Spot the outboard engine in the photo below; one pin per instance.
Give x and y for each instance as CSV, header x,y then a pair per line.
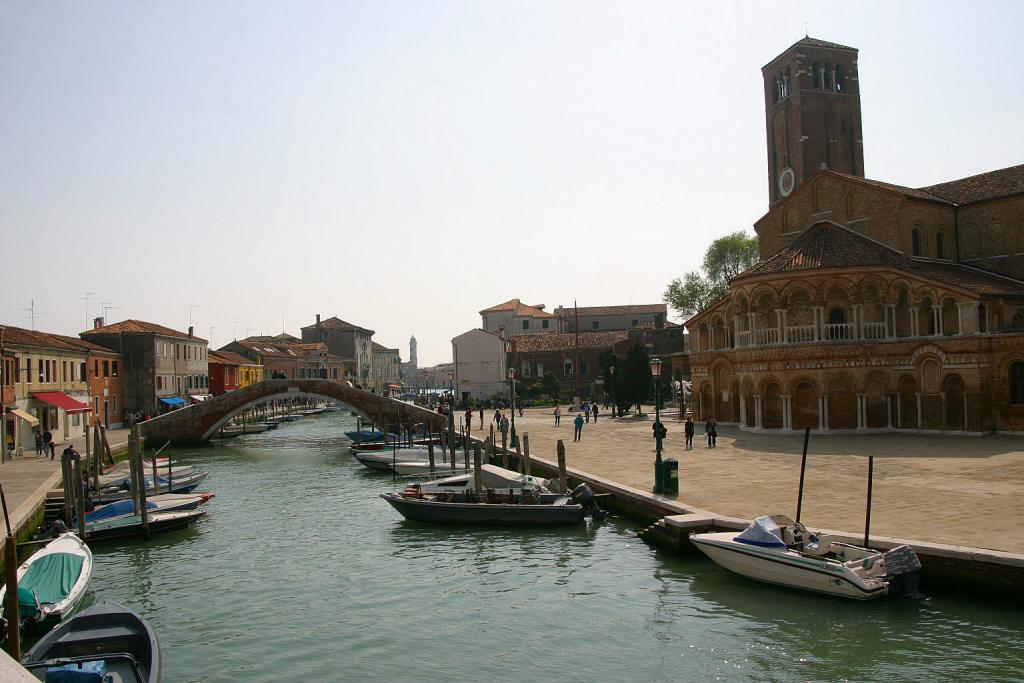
x,y
55,529
582,495
903,570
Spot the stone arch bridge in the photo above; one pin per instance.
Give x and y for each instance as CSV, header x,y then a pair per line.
x,y
197,423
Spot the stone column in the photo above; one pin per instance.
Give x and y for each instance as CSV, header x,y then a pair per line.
x,y
858,321
888,411
920,412
736,329
890,328
780,316
937,320
750,326
758,412
711,338
785,326
913,321
959,318
743,411
965,411
899,412
824,412
819,322
942,410
787,412
860,411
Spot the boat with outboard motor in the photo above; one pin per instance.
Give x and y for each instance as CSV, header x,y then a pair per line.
x,y
52,583
522,505
175,484
131,525
775,549
105,642
165,502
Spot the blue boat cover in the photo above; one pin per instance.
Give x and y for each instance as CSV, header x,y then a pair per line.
x,y
121,507
365,435
173,401
83,672
763,532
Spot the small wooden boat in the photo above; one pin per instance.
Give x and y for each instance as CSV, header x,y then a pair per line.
x,y
778,550
364,435
52,583
176,484
515,508
111,642
312,411
228,431
131,525
165,502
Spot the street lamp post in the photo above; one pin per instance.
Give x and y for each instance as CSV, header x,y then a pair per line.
x,y
512,384
659,483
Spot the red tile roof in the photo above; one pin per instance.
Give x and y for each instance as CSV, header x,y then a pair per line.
x,y
978,188
827,245
140,327
567,312
21,336
336,323
227,358
519,308
922,193
528,343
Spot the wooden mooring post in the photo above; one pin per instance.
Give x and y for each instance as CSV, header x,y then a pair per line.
x,y
478,479
13,645
79,486
562,485
526,453
504,450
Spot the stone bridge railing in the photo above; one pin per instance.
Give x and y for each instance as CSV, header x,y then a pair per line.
x,y
199,422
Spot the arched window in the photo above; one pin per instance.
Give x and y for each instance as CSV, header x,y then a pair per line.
x,y
816,76
1017,383
939,251
915,243
836,316
830,78
840,78
982,318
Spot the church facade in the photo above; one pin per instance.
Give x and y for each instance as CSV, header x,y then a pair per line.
x,y
874,306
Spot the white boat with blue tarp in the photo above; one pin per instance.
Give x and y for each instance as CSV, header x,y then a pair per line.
x,y
775,549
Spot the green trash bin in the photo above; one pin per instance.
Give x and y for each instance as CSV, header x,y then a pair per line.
x,y
670,476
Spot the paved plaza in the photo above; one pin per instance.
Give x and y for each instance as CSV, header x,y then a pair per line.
x,y
941,488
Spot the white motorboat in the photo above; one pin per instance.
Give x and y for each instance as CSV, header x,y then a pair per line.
x,y
778,550
116,476
492,478
184,483
52,582
237,430
383,459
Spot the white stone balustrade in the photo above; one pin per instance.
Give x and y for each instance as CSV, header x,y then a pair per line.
x,y
839,331
767,337
875,330
801,333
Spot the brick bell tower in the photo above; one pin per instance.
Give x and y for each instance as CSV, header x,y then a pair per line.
x,y
812,114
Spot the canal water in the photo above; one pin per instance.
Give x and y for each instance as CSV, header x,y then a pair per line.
x,y
299,572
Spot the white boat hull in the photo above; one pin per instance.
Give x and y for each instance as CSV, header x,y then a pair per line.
x,y
67,542
786,567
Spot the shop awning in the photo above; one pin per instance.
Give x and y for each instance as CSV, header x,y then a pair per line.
x,y
172,401
32,422
58,399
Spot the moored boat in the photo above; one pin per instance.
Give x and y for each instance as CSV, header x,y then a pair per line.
x,y
524,507
175,484
105,642
778,550
52,583
131,525
166,502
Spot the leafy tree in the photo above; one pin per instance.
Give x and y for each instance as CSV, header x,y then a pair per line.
x,y
726,258
635,380
551,387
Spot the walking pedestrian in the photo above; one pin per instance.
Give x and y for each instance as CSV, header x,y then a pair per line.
x,y
594,411
39,443
497,416
53,449
47,440
578,431
711,432
558,415
503,427
520,406
469,419
689,432
586,411
481,418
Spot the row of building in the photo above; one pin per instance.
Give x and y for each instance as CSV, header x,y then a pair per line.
x,y
565,343
53,382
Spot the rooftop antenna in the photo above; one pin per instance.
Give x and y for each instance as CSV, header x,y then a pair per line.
x,y
88,295
106,306
190,307
211,335
234,328
805,30
32,313
282,317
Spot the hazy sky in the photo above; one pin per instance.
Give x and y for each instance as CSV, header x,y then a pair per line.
x,y
404,165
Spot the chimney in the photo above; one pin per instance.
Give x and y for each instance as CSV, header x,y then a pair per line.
x,y
97,323
319,332
189,331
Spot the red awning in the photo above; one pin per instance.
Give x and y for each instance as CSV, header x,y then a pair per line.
x,y
58,399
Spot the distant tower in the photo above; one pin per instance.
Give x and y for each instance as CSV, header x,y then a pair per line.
x,y
412,352
812,112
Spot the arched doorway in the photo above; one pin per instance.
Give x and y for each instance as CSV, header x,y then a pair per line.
x,y
772,406
805,406
956,418
875,413
908,404
842,403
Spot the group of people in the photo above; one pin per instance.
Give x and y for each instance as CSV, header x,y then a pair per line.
x,y
710,432
583,417
45,444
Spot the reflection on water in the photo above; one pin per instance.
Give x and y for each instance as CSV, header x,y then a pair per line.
x,y
300,572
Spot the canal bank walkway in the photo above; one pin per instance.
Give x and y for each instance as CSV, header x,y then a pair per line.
x,y
28,477
939,488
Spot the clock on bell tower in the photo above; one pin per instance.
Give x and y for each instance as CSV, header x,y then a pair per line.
x,y
812,114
